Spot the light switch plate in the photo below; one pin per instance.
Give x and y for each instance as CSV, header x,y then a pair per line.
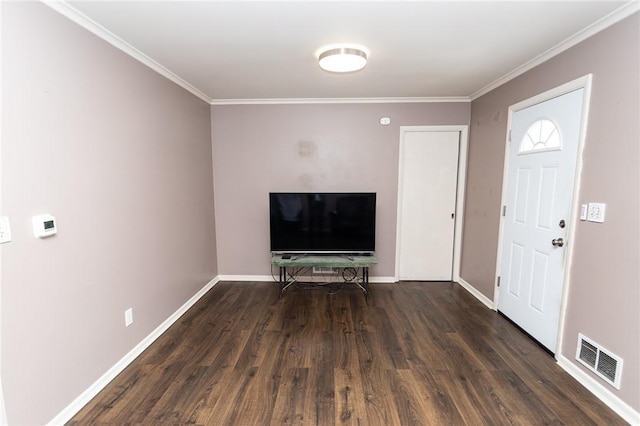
x,y
595,212
128,317
5,230
583,212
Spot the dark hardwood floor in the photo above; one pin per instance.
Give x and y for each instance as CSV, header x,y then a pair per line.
x,y
413,354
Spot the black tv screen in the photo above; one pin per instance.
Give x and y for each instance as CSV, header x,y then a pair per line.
x,y
322,222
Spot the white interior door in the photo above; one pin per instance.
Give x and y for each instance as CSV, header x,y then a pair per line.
x,y
427,204
541,173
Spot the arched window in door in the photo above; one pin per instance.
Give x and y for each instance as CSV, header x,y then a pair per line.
x,y
542,135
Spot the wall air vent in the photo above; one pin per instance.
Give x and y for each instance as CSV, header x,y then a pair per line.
x,y
599,360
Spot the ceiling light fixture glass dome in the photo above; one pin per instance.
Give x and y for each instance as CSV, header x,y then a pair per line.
x,y
342,59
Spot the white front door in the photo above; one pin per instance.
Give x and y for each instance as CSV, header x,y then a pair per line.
x,y
541,173
427,203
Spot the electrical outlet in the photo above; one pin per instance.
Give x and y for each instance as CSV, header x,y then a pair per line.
x,y
128,317
595,212
5,230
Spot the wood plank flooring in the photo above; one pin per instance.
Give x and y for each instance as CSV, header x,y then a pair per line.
x,y
413,354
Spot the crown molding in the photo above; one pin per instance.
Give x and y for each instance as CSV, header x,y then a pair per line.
x,y
65,9
603,23
87,23
79,18
338,100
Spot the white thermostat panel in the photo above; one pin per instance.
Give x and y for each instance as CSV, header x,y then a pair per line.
x,y
44,225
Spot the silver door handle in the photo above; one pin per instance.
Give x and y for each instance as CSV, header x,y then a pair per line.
x,y
557,242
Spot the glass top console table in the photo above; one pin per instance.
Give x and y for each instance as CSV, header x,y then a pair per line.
x,y
360,263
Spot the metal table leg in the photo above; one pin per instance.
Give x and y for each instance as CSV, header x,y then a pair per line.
x,y
365,281
281,281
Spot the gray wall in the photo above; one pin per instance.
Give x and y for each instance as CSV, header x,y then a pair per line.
x,y
604,295
337,147
122,158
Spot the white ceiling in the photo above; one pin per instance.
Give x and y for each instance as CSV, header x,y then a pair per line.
x,y
248,51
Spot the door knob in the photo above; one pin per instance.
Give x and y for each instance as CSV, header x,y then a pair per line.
x,y
557,242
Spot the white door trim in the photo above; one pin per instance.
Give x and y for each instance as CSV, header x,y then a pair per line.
x,y
462,174
579,83
3,410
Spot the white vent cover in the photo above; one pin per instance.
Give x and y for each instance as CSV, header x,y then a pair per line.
x,y
599,360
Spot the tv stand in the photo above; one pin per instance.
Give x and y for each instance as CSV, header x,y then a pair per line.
x,y
359,262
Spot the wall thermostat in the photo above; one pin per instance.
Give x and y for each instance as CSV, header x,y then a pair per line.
x,y
44,225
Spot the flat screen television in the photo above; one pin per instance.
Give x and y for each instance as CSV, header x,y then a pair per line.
x,y
323,222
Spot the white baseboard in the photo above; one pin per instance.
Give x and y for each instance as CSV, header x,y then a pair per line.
x,y
262,278
259,278
600,391
65,415
481,297
383,280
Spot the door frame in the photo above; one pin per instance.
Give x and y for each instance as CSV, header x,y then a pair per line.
x,y
460,191
579,83
3,410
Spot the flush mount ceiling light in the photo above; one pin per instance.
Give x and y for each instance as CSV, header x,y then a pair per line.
x,y
342,59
